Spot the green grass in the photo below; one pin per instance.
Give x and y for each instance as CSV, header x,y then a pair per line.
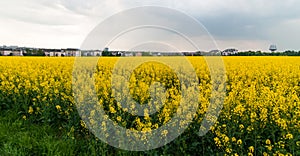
x,y
22,138
19,138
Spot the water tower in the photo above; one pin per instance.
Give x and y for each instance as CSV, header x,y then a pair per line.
x,y
273,48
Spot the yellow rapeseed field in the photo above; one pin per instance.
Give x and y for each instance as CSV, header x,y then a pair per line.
x,y
260,115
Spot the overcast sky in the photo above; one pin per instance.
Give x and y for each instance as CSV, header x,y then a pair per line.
x,y
242,24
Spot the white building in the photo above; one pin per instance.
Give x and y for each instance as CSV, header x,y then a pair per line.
x,y
72,52
13,51
128,54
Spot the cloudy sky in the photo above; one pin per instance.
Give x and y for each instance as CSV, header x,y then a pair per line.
x,y
242,24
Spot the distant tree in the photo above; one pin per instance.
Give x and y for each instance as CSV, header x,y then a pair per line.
x,y
258,53
291,53
40,53
28,52
146,54
106,53
198,53
34,52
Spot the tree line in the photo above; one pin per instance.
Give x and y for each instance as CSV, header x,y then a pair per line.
x,y
259,53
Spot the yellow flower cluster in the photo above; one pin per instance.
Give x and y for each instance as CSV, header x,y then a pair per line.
x,y
260,115
262,105
40,88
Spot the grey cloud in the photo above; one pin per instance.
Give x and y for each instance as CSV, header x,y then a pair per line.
x,y
38,12
263,20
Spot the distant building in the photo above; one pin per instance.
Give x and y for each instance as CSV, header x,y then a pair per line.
x,y
97,53
91,53
11,51
5,51
17,52
127,54
188,53
53,52
138,54
72,52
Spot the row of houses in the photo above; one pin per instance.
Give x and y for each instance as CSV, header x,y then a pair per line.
x,y
71,52
12,50
226,52
22,51
61,52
